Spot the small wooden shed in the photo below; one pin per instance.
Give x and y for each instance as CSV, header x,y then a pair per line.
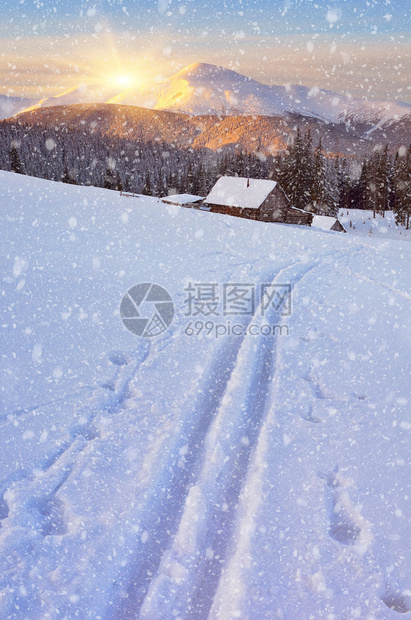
x,y
183,200
254,199
326,222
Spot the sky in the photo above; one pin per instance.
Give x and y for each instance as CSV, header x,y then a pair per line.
x,y
356,47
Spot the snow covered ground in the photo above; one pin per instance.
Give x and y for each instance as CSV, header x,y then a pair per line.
x,y
194,476
363,223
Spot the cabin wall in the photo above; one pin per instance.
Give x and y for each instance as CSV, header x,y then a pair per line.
x,y
294,216
274,207
338,226
250,214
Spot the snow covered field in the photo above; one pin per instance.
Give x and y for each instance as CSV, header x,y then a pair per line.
x,y
194,476
363,223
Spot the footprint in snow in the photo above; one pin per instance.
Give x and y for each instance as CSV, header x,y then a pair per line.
x,y
359,396
118,358
305,411
400,602
320,391
4,510
51,512
347,525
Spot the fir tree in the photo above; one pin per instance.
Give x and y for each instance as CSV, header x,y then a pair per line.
x,y
172,182
383,181
343,184
320,194
68,177
362,189
189,180
296,173
65,176
378,181
402,188
147,186
239,165
15,162
109,181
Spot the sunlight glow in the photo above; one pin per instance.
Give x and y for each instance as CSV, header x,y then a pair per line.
x,y
124,80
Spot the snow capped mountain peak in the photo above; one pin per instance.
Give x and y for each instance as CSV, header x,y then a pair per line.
x,y
203,71
202,88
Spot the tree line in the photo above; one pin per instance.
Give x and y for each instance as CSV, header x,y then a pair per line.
x,y
385,184
312,179
324,183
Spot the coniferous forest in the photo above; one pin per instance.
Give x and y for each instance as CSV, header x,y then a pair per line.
x,y
313,179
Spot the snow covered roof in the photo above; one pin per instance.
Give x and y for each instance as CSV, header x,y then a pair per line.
x,y
326,222
236,192
182,199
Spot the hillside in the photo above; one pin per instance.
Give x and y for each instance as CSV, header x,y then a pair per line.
x,y
264,134
198,473
129,122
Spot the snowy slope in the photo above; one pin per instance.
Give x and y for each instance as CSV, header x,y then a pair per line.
x,y
190,476
201,88
360,222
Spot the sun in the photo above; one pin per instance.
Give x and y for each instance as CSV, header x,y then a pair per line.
x,y
123,80
126,81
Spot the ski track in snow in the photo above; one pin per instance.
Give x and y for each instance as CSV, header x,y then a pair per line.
x,y
385,285
196,555
218,375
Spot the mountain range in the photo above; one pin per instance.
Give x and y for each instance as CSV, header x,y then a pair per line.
x,y
207,105
204,89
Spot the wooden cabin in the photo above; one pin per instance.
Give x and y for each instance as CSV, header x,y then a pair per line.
x,y
254,199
